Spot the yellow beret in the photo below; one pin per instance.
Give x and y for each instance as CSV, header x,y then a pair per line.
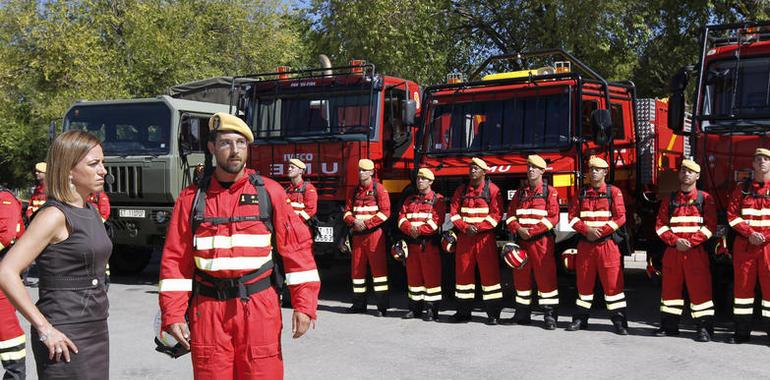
x,y
366,164
762,152
297,163
480,163
690,164
596,162
224,122
536,161
426,173
41,167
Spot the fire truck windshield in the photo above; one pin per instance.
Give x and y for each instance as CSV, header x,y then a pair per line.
x,y
313,115
125,129
736,90
532,122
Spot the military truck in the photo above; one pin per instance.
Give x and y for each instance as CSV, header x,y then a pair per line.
x,y
152,147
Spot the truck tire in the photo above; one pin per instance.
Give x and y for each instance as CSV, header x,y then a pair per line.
x,y
129,259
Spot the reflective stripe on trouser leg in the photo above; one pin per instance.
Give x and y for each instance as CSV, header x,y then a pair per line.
x,y
465,291
523,297
416,293
489,267
433,294
702,310
615,302
584,302
672,307
548,298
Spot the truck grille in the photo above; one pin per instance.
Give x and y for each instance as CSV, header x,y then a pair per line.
x,y
128,180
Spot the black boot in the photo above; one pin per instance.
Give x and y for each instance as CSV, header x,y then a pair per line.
x,y
550,317
705,328
415,310
669,325
742,329
619,322
579,322
383,303
431,312
359,304
522,316
463,314
493,312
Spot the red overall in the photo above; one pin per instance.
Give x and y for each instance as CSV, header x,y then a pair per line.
x,y
101,201
36,200
373,208
12,338
600,257
423,265
689,267
530,209
747,213
235,338
470,207
303,198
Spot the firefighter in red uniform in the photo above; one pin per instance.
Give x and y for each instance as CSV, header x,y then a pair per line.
x,y
475,211
686,219
596,214
420,219
303,197
38,196
532,214
12,338
101,202
365,213
217,264
749,215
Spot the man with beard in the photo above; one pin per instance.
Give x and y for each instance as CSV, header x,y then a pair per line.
x,y
748,213
596,214
420,218
686,219
217,263
475,211
365,214
532,213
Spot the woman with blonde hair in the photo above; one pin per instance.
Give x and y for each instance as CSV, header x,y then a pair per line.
x,y
67,239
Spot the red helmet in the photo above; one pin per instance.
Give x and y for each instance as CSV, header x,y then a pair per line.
x,y
449,241
514,256
399,251
568,259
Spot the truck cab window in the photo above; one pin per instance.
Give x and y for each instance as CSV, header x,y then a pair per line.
x,y
616,112
195,133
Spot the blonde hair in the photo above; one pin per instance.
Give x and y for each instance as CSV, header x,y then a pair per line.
x,y
65,152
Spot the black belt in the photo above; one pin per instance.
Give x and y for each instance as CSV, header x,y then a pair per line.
x,y
70,283
228,288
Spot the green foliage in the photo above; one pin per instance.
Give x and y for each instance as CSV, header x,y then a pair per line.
x,y
55,52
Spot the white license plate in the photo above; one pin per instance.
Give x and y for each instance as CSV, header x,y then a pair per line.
x,y
325,235
128,213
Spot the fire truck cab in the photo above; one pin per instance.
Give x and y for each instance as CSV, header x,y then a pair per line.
x,y
329,118
563,111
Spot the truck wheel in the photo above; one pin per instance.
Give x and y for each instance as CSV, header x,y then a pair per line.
x,y
129,259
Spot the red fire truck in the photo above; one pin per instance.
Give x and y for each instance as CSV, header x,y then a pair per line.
x,y
564,112
731,118
330,118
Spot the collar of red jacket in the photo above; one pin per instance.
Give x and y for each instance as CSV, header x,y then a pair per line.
x,y
215,187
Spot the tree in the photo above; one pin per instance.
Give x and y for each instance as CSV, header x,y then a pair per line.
x,y
55,52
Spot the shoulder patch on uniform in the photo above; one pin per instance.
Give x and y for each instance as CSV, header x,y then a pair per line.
x,y
249,199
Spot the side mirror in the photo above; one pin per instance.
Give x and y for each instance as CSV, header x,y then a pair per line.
x,y
601,125
409,112
677,101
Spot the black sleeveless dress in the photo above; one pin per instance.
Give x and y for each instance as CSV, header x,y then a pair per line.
x,y
73,297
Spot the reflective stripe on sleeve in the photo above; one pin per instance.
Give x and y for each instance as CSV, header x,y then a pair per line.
x,y
296,278
175,285
735,221
660,231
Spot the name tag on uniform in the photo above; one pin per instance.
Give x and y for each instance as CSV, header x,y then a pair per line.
x,y
249,199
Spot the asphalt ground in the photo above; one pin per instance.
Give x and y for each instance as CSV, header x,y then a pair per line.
x,y
362,346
